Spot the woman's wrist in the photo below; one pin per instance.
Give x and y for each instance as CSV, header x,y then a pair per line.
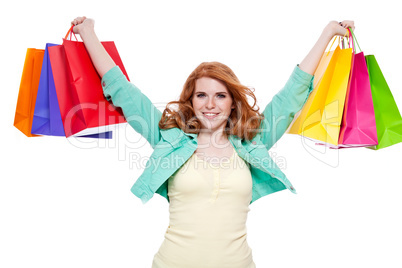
x,y
330,31
87,33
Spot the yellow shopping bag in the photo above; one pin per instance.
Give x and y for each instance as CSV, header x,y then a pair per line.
x,y
321,116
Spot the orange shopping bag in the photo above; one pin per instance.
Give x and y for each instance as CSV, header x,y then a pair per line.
x,y
28,90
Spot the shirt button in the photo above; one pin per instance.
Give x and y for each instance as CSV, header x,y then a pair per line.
x,y
103,84
254,142
291,188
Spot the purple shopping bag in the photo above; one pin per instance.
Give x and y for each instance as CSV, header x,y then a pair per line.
x,y
358,128
47,118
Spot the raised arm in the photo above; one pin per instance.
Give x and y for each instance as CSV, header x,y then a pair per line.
x,y
100,58
138,110
280,112
310,62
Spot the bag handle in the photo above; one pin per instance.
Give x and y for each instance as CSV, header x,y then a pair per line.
x,y
70,32
351,42
354,38
339,41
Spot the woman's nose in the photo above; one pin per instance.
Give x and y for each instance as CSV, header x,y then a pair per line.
x,y
210,103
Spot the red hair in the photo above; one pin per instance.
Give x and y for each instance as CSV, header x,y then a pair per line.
x,y
244,120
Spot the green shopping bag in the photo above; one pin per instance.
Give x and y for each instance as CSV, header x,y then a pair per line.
x,y
387,116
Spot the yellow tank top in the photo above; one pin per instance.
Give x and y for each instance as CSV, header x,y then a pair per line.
x,y
209,203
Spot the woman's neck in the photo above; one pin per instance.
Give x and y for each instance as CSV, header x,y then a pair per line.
x,y
213,144
212,137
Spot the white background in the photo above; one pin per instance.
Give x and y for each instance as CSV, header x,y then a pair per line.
x,y
67,202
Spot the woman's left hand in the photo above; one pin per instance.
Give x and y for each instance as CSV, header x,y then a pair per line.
x,y
310,62
339,28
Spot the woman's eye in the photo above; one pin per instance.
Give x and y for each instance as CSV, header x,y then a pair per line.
x,y
200,95
221,96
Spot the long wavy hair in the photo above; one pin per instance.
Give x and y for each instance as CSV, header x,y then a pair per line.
x,y
244,120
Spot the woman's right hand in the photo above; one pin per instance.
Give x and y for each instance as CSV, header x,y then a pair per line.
x,y
83,25
100,58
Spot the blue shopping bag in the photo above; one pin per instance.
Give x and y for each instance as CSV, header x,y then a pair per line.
x,y
47,118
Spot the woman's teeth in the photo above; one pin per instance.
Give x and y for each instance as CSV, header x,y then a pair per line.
x,y
210,115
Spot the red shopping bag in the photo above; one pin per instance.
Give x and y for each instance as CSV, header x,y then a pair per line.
x,y
83,108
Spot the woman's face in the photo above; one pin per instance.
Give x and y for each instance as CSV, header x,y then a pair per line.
x,y
212,103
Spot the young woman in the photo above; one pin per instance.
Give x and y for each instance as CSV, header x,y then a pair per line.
x,y
210,158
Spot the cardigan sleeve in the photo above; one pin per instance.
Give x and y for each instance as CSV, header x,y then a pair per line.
x,y
138,110
279,113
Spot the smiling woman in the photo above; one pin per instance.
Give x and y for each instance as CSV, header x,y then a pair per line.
x,y
215,116
222,93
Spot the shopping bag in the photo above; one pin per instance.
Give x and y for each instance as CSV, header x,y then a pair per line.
x,y
28,90
83,107
358,127
387,116
47,118
321,116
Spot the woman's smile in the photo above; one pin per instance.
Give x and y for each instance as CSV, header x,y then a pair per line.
x,y
210,115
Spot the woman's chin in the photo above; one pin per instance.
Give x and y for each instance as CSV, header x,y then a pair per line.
x,y
211,127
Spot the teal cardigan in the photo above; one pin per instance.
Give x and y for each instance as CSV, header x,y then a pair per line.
x,y
173,147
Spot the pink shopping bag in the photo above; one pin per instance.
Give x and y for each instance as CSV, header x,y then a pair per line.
x,y
358,128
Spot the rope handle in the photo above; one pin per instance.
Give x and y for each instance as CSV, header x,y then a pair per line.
x,y
70,33
351,42
339,41
354,39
